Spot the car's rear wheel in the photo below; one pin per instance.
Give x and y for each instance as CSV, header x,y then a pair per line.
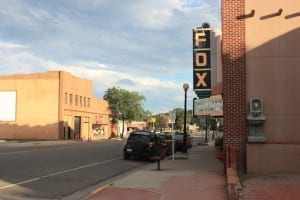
x,y
126,156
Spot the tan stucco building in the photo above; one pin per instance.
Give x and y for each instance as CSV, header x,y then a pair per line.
x,y
261,60
51,105
272,67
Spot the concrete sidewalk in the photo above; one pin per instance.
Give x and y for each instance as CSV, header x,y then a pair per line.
x,y
273,186
197,175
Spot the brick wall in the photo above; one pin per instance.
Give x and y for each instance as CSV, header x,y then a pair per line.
x,y
234,78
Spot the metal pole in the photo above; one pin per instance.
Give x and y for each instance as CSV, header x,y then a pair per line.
x,y
173,144
184,124
206,121
122,126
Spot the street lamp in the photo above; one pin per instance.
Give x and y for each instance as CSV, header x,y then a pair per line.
x,y
185,88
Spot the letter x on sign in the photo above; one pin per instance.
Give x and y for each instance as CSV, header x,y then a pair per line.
x,y
202,79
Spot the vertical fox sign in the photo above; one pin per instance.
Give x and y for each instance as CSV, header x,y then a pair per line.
x,y
201,61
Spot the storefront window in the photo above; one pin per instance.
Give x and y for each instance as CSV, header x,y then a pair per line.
x,y
66,98
76,100
98,129
71,99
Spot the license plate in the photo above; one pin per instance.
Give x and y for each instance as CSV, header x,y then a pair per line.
x,y
129,150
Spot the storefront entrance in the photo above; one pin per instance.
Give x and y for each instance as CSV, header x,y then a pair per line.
x,y
77,127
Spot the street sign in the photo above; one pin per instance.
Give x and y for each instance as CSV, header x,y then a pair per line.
x,y
212,106
172,115
153,119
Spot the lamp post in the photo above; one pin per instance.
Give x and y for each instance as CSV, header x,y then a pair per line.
x,y
185,88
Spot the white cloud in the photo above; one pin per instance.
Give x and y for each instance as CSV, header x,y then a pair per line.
x,y
141,45
152,14
192,4
6,46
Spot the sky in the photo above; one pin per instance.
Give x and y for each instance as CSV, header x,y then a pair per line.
x,y
138,45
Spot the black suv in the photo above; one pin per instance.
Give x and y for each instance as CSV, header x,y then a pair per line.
x,y
166,142
141,144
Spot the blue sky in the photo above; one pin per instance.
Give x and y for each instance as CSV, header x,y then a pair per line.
x,y
139,45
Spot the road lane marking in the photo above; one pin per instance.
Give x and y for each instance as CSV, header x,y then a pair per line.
x,y
20,183
16,152
59,173
40,148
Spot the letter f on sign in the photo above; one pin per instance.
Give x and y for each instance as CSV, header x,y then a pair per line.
x,y
199,38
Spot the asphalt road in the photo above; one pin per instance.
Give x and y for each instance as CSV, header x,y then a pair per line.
x,y
59,171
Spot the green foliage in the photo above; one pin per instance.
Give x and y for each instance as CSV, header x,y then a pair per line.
x,y
162,122
242,175
180,118
126,104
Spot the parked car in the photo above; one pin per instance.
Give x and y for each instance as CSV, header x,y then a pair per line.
x,y
178,137
219,141
141,144
166,141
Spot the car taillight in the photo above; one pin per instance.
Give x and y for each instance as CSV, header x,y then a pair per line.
x,y
150,144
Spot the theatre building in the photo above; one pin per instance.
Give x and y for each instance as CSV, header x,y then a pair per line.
x,y
261,70
52,105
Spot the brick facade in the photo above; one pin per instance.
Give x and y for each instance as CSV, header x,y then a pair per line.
x,y
234,78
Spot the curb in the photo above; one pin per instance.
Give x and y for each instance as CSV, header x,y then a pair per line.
x,y
100,189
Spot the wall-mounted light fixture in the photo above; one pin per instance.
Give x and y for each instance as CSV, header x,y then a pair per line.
x,y
244,16
297,14
278,13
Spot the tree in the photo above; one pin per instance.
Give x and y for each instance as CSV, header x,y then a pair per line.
x,y
162,122
126,104
180,118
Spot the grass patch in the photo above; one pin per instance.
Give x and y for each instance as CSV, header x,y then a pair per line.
x,y
242,175
202,144
178,158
